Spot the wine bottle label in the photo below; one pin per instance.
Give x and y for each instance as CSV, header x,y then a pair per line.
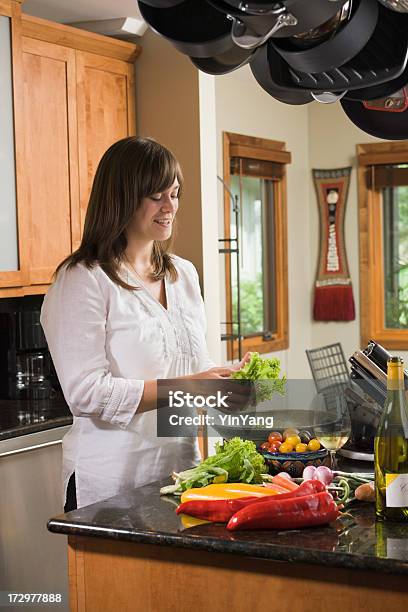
x,y
396,490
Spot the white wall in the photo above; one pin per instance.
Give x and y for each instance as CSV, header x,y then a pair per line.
x,y
242,106
332,144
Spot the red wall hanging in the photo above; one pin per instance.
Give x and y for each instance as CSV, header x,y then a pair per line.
x,y
333,296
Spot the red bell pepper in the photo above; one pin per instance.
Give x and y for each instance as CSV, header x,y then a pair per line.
x,y
221,510
292,513
216,510
308,487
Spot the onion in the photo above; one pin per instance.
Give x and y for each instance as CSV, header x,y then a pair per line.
x,y
309,472
285,475
324,474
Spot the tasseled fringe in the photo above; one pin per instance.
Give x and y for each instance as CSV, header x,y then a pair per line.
x,y
334,303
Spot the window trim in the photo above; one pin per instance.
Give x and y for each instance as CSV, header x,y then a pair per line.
x,y
271,150
371,256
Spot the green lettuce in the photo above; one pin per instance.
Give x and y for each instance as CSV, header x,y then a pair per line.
x,y
235,460
265,374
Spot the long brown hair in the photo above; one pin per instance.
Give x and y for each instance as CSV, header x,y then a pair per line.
x,y
131,169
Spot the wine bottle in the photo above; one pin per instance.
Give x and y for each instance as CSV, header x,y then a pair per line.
x,y
391,448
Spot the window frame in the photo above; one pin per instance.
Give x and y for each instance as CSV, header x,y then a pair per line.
x,y
238,145
372,302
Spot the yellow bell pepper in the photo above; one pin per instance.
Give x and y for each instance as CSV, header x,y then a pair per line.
x,y
191,521
229,490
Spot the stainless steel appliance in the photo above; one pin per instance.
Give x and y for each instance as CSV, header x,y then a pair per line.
x,y
32,559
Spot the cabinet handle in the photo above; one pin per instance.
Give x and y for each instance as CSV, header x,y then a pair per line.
x,y
29,448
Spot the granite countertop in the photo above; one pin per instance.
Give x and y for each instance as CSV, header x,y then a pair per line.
x,y
142,516
22,417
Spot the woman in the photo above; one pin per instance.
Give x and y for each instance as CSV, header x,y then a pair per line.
x,y
123,312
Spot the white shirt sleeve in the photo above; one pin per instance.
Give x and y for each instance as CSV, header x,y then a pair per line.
x,y
73,317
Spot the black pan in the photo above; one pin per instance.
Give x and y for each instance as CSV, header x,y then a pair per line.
x,y
381,124
379,91
261,65
339,49
361,72
194,27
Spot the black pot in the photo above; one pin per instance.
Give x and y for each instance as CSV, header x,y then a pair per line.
x,y
381,124
388,45
260,23
335,52
162,3
261,67
194,27
223,63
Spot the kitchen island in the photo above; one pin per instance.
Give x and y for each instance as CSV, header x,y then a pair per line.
x,y
132,552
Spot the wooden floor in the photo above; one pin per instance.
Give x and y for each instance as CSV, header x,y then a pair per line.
x,y
110,576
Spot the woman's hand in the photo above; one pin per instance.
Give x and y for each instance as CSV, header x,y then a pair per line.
x,y
222,372
243,361
214,373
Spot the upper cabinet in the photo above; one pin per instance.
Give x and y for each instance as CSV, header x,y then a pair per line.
x,y
77,97
12,218
50,133
106,112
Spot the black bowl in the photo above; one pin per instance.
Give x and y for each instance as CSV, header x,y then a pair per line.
x,y
294,463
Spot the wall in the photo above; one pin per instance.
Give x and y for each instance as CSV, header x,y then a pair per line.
x,y
332,144
242,106
167,108
176,105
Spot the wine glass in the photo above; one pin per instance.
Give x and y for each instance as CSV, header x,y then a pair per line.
x,y
332,425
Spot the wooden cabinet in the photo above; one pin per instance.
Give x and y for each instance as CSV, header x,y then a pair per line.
x,y
78,97
50,136
13,227
106,112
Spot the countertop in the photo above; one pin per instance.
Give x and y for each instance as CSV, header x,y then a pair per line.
x,y
142,516
22,417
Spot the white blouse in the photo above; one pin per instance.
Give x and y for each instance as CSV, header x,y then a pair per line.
x,y
105,341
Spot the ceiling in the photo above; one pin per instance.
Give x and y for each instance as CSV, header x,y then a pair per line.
x,y
67,11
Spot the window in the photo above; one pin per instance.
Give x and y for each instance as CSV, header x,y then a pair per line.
x,y
383,185
254,169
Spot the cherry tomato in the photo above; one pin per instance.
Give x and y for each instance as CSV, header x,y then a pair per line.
x,y
275,435
264,446
286,448
290,432
314,445
274,446
293,440
301,448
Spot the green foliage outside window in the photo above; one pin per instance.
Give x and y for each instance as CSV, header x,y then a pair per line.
x,y
252,315
396,282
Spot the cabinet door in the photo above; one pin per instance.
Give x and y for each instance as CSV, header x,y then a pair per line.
x,y
13,205
50,134
106,112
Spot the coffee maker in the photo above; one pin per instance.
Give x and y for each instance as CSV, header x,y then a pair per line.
x,y
26,369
